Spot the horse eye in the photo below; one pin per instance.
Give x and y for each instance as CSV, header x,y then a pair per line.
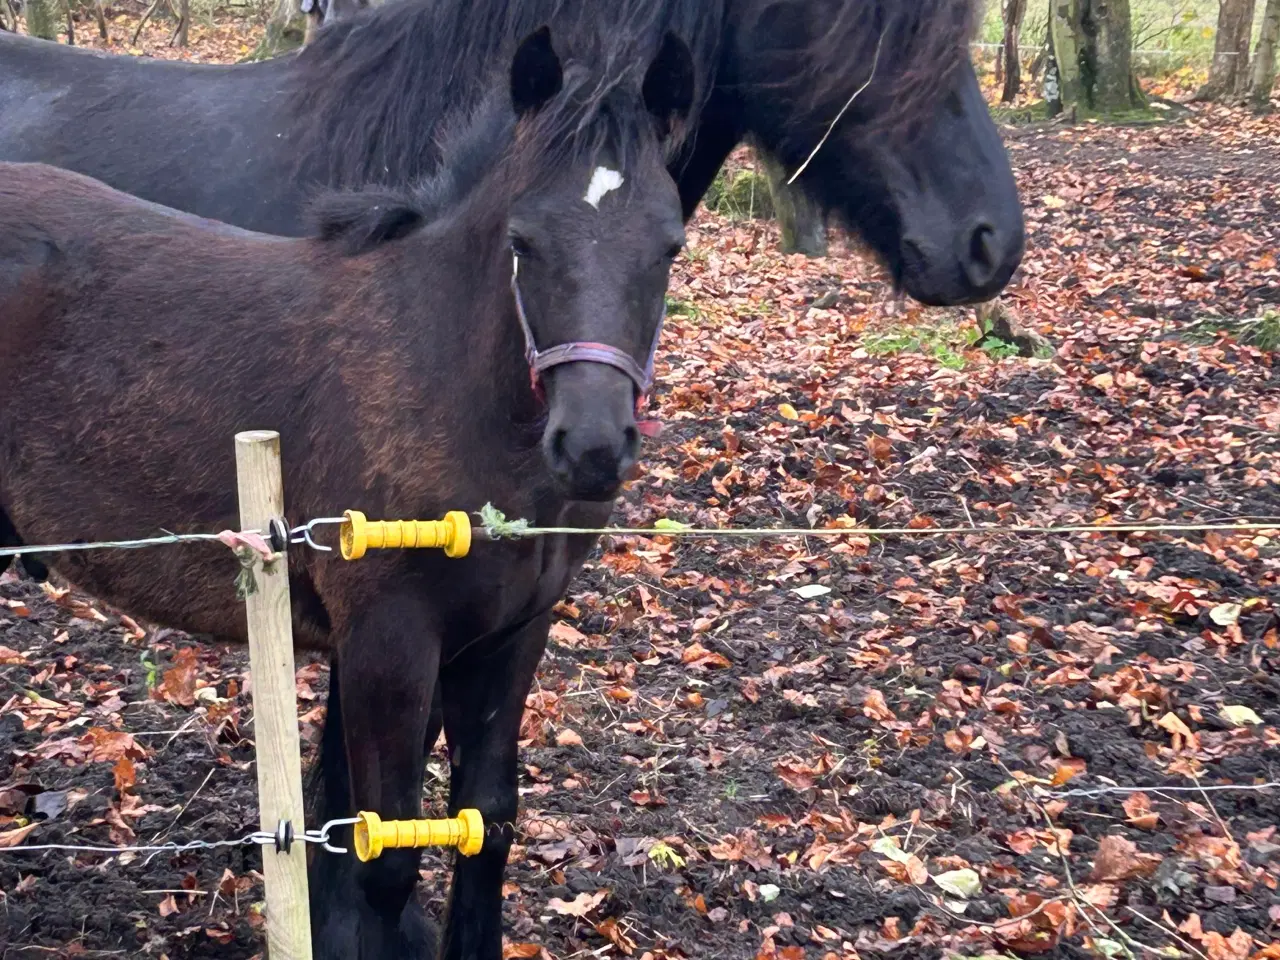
x,y
520,246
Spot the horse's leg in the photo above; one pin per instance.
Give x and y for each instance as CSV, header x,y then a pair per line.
x,y
385,677
9,537
484,693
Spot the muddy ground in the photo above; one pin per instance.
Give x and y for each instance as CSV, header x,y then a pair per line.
x,y
714,762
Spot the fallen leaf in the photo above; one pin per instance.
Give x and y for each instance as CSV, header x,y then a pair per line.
x,y
1119,859
179,684
580,906
168,906
1071,767
108,746
645,798
1023,841
1238,715
520,951
787,412
960,883
10,656
810,590
1225,614
568,738
875,707
1137,807
567,635
610,930
696,655
11,838
125,775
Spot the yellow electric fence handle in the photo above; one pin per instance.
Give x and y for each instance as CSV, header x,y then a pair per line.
x,y
358,534
373,834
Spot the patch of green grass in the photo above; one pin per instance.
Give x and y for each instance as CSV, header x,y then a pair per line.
x,y
697,254
740,195
683,308
1262,332
731,790
999,349
944,341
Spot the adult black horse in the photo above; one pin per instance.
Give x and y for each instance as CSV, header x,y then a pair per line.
x,y
876,99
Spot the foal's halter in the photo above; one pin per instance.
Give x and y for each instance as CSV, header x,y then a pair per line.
x,y
584,351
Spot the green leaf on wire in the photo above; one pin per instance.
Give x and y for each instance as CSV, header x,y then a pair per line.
x,y
665,524
497,526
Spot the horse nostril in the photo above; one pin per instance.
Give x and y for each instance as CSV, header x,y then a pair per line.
x,y
981,262
558,452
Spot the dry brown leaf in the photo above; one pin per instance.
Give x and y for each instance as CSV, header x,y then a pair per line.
x,y
1137,807
568,738
881,448
1023,841
580,906
567,635
1238,946
957,741
646,798
610,930
696,655
179,684
1119,859
108,746
168,906
520,951
11,838
125,775
875,707
11,656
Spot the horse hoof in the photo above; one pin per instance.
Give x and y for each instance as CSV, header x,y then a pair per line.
x,y
418,934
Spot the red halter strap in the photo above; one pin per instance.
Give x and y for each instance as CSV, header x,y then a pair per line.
x,y
584,351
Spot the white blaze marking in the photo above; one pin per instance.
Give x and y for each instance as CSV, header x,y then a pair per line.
x,y
602,181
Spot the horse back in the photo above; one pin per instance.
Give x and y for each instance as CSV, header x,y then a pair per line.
x,y
67,240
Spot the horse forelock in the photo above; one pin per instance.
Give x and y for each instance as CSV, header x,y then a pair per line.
x,y
487,158
374,88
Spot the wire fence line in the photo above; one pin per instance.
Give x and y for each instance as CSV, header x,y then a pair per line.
x,y
494,526
160,541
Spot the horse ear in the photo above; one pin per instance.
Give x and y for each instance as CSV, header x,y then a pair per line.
x,y
669,82
361,220
536,74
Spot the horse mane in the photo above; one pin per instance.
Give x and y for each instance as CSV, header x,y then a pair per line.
x,y
914,45
486,158
374,86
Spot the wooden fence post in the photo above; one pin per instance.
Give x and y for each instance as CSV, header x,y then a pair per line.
x,y
275,714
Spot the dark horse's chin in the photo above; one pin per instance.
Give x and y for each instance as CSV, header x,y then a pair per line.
x,y
588,493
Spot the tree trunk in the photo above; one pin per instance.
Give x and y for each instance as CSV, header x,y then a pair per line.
x,y
1091,63
1229,71
102,19
181,36
1264,57
804,228
71,24
286,30
41,19
1014,11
